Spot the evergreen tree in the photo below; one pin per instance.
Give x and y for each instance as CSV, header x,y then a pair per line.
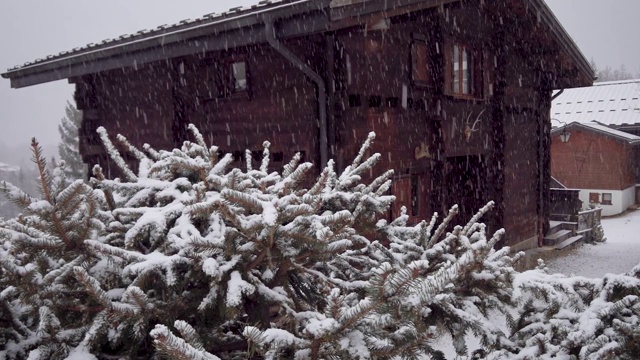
x,y
43,248
188,259
68,149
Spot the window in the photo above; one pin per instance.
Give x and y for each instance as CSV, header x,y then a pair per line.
x,y
420,74
238,73
606,199
594,198
225,77
462,70
464,75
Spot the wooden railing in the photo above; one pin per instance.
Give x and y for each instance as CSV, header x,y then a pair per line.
x,y
565,204
590,225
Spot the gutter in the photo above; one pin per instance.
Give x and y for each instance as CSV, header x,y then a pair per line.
x,y
179,40
542,185
270,34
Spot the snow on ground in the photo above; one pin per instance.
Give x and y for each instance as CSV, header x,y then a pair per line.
x,y
618,255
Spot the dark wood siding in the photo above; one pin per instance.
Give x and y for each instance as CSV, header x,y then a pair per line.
x,y
592,161
444,149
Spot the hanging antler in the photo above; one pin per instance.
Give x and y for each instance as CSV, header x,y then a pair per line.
x,y
471,129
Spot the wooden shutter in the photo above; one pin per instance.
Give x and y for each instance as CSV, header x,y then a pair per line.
x,y
487,74
478,74
448,68
420,63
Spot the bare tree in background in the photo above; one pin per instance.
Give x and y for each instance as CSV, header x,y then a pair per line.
x,y
611,74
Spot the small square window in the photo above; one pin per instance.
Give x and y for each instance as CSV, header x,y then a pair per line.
x,y
607,199
594,198
225,77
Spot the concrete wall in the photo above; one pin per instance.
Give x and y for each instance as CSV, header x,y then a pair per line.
x,y
621,200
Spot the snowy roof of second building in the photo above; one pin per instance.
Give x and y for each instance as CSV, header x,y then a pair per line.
x,y
602,129
614,103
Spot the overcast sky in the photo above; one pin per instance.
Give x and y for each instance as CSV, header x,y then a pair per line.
x,y
606,30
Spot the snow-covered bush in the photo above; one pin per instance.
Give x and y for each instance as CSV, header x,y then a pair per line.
x,y
190,259
558,316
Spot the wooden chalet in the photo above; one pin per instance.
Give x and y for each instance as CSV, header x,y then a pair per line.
x,y
459,93
601,162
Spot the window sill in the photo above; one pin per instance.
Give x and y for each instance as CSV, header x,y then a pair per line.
x,y
606,203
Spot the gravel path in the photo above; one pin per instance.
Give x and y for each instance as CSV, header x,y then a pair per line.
x,y
618,255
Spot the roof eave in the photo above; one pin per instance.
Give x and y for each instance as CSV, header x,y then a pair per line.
x,y
245,29
566,41
559,130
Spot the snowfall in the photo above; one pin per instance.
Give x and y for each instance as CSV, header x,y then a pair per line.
x,y
619,254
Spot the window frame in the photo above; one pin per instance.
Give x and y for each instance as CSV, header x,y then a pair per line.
x,y
476,72
232,80
593,196
605,201
419,40
220,78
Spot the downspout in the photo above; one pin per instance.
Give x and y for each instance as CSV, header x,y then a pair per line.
x,y
315,77
541,156
556,95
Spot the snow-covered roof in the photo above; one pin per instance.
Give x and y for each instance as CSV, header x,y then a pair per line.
x,y
602,129
614,103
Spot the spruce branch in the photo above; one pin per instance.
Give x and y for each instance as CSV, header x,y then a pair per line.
x,y
115,155
139,155
264,166
175,348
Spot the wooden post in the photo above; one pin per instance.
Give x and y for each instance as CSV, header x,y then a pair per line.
x,y
496,156
330,44
180,120
437,55
544,165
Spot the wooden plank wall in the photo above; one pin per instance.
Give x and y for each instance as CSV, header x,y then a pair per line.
x,y
372,71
